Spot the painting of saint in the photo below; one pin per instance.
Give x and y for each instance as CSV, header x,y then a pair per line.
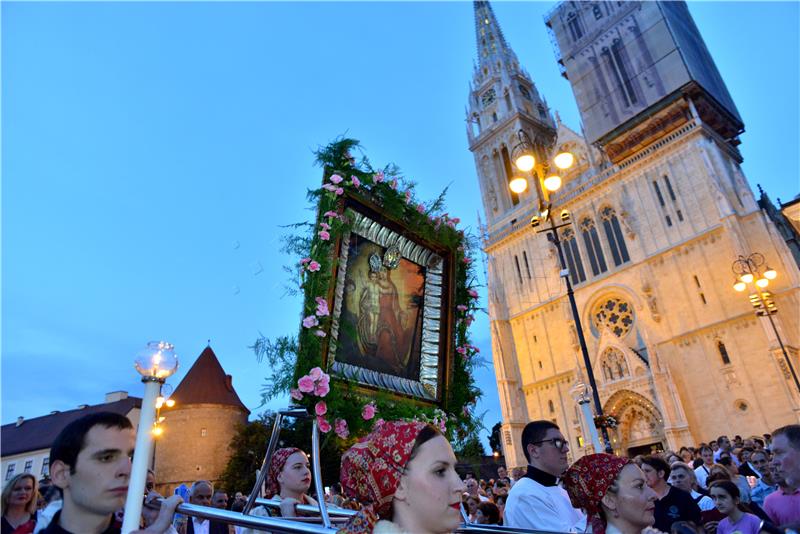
x,y
380,325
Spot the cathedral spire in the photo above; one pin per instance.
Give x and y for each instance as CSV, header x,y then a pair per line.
x,y
491,43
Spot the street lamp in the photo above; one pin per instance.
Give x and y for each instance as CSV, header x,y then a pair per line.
x,y
155,363
550,182
747,271
582,395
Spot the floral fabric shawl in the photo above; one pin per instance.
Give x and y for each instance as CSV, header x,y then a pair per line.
x,y
371,471
588,480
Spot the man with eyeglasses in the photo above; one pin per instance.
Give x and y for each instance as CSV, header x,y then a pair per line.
x,y
536,501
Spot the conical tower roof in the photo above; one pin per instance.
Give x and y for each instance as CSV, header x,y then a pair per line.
x,y
492,45
207,383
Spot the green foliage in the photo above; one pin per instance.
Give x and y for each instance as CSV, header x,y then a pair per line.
x,y
290,358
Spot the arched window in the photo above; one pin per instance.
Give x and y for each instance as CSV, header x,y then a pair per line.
x,y
614,314
614,364
592,243
723,352
616,241
573,257
574,25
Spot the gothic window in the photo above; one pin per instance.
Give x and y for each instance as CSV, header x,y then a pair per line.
x,y
519,273
669,188
615,314
614,364
494,117
509,173
598,14
542,112
508,102
574,25
524,92
592,242
658,193
573,257
616,241
527,267
723,352
616,50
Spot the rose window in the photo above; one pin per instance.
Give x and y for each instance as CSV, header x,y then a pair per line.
x,y
614,314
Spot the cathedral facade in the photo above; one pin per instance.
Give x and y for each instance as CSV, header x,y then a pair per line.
x,y
660,209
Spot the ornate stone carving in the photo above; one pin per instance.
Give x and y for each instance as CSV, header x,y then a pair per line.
x,y
652,303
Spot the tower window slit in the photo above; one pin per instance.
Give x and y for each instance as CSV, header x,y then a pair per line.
x,y
669,188
527,267
658,193
519,273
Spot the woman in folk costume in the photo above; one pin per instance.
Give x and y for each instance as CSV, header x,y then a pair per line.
x,y
288,480
613,492
404,474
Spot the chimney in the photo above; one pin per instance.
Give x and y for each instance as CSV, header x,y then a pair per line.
x,y
116,396
20,419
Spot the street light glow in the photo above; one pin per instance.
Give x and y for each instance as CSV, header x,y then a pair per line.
x,y
770,274
762,282
525,162
518,185
739,286
564,160
747,278
552,183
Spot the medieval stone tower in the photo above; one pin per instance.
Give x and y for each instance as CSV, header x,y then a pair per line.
x,y
660,210
199,428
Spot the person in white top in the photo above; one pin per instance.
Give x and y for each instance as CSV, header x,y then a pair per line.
x,y
682,477
536,501
702,472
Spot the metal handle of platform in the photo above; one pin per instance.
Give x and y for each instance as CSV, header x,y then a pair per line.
x,y
333,511
273,525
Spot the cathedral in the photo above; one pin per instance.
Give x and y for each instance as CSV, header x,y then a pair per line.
x,y
656,210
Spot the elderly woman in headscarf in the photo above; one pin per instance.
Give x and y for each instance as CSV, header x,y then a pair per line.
x,y
613,492
404,474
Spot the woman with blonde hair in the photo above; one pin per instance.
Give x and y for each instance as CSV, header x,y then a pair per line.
x,y
19,504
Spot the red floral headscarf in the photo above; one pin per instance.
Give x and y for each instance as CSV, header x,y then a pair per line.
x,y
588,480
279,458
371,471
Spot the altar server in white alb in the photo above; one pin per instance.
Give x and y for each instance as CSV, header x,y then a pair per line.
x,y
537,501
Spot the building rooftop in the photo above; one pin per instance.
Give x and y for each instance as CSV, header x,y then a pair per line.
x,y
207,383
39,432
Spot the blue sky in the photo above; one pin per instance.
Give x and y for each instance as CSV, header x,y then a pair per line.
x,y
151,152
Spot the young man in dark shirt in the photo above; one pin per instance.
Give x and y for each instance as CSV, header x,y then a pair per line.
x,y
673,504
90,462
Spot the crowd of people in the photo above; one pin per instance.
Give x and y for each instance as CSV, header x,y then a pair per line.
x,y
401,478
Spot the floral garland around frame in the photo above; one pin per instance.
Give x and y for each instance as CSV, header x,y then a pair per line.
x,y
297,363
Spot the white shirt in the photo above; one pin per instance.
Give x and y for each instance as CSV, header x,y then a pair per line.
x,y
200,525
705,503
535,506
701,473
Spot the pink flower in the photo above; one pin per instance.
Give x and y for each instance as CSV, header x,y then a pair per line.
x,y
304,261
315,373
455,220
295,394
341,428
336,179
324,235
472,293
393,184
476,349
339,191
322,388
324,426
378,177
368,411
313,266
451,224
320,408
310,321
305,384
462,308
469,319
378,423
329,187
408,197
461,350
322,307
325,226
356,184
332,214
319,333
467,260
421,208
443,425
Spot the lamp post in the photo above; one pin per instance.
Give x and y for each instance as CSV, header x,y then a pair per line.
x,y
581,394
748,271
155,363
525,160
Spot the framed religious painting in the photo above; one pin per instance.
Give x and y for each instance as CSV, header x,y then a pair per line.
x,y
392,297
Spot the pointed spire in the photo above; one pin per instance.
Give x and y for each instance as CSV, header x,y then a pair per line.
x,y
491,43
